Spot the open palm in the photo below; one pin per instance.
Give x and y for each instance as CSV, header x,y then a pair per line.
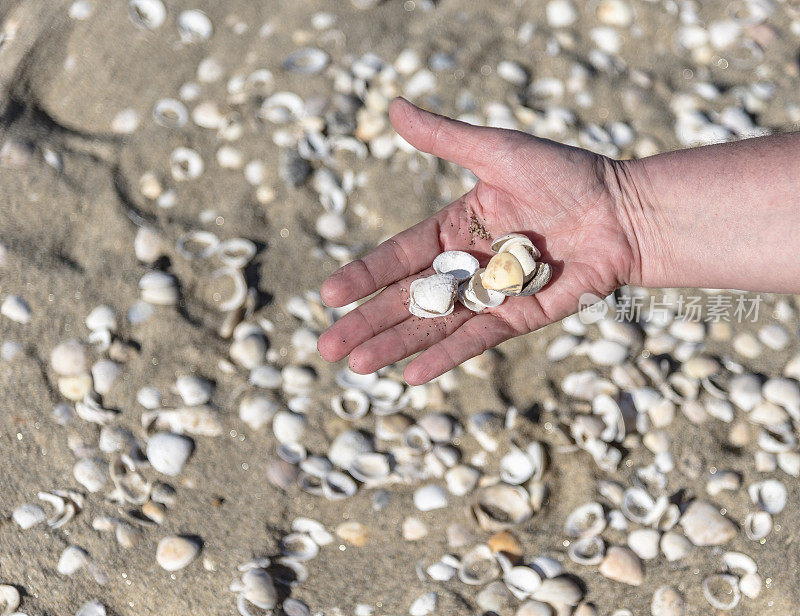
x,y
567,200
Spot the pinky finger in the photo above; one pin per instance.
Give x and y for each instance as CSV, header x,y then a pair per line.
x,y
473,338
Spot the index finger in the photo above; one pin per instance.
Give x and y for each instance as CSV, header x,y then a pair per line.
x,y
400,256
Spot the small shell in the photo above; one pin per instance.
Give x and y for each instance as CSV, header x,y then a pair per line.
x,y
101,318
622,565
501,506
176,552
461,479
757,525
522,581
306,61
104,373
479,566
667,601
352,404
347,446
72,559
476,297
197,244
168,453
337,485
91,608
194,26
185,164
170,113
299,546
288,427
586,521
28,515
16,309
704,525
433,296
503,274
257,410
9,599
194,390
722,591
197,420
769,495
370,467
69,358
516,467
560,590
159,288
147,14
588,550
232,298
424,604
236,252
675,546
91,474
644,542
457,263
430,497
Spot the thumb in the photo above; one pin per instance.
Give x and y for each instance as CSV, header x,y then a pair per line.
x,y
472,147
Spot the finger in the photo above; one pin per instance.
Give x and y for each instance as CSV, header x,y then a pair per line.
x,y
479,333
374,316
402,255
407,338
473,147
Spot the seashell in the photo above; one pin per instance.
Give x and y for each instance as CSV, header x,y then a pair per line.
x,y
644,542
194,390
176,552
66,504
197,420
774,336
91,608
512,72
257,410
104,372
266,377
750,585
522,581
585,521
413,530
313,529
16,309
91,474
306,61
354,533
185,164
615,13
433,296
440,427
487,428
704,525
769,495
459,264
149,397
667,601
336,486
385,396
256,587
298,380
777,440
347,446
757,525
130,486
158,288
288,427
562,347
478,566
370,467
293,453
197,244
785,393
194,26
622,565
503,274
723,480
72,559
737,561
127,535
249,352
28,515
461,479
424,604
638,506
768,414
534,608
169,113
89,410
607,352
494,598
9,600
476,297
281,474
789,462
588,550
430,497
501,506
147,14
299,547
351,405
168,453
559,590
101,318
236,252
722,591
69,358
516,467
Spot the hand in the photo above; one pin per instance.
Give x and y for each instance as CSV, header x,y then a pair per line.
x,y
570,202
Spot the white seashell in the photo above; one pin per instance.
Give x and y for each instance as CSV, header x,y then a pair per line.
x,y
236,252
723,480
704,525
91,411
675,546
347,446
104,372
91,474
385,396
589,550
757,525
457,263
430,497
149,397
512,72
147,14
440,427
306,61
638,506
745,391
69,358
585,521
784,392
72,559
28,515
115,438
562,347
313,529
169,113
433,296
370,467
414,529
487,428
789,462
607,352
288,427
293,453
461,479
158,288
257,410
774,336
299,546
266,377
337,485
559,590
16,309
351,405
194,390
476,297
768,414
66,504
442,571
424,604
738,561
198,420
667,601
615,13
176,552
194,26
516,467
249,352
9,600
102,318
522,581
722,591
91,608
478,566
282,107
534,608
168,453
776,440
750,585
185,164
256,587
298,380
644,542
769,495
561,13
501,506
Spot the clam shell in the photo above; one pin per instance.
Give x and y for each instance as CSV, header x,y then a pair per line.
x,y
288,427
194,26
28,515
644,542
147,14
347,446
433,296
424,604
667,601
457,263
168,453
170,113
176,552
352,404
722,591
430,497
234,297
585,521
69,358
522,581
501,506
258,588
159,288
306,61
770,495
299,546
704,525
194,390
559,590
16,309
370,467
476,297
589,550
91,608
503,274
72,559
196,420
674,546
9,599
516,467
622,565
257,410
91,474
461,479
479,566
502,243
336,486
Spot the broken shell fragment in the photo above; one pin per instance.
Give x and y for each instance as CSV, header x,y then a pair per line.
x,y
433,296
476,297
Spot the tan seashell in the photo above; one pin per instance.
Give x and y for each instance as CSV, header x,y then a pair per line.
x,y
504,273
354,533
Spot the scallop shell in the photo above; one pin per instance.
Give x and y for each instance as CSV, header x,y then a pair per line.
x,y
433,296
722,591
479,566
501,506
588,550
457,263
585,521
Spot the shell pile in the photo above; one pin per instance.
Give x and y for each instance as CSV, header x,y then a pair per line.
x,y
513,271
171,442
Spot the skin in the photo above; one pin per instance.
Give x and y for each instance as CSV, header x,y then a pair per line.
x,y
600,223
